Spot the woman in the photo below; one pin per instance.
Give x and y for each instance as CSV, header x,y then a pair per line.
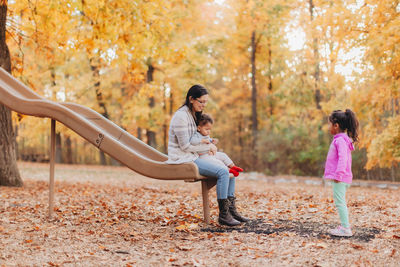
x,y
182,127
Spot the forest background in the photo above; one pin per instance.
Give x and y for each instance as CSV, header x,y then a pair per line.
x,y
275,69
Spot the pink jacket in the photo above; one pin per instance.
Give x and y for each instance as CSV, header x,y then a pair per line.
x,y
338,161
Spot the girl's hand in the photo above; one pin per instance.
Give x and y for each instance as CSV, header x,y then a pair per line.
x,y
205,141
336,181
213,150
215,141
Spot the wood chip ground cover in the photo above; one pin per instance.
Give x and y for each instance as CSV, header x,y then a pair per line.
x,y
114,217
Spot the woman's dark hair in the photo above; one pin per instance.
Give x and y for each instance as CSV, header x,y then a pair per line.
x,y
196,91
347,122
204,119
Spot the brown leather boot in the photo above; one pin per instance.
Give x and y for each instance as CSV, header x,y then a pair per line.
x,y
234,212
225,217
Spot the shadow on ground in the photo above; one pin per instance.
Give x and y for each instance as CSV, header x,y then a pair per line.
x,y
305,229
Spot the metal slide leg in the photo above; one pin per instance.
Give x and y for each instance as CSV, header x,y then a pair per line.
x,y
52,159
206,185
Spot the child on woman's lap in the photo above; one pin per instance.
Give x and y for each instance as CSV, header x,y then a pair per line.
x,y
338,163
202,136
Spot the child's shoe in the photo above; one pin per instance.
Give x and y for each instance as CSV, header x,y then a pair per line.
x,y
341,231
236,168
234,172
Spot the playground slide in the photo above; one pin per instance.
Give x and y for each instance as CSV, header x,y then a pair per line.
x,y
96,129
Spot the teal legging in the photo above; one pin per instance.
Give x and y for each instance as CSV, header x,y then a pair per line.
x,y
339,196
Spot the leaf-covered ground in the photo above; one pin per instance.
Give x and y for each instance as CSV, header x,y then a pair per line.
x,y
114,217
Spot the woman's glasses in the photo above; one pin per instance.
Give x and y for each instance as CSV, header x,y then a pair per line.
x,y
201,102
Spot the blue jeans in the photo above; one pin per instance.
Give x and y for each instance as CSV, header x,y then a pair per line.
x,y
225,185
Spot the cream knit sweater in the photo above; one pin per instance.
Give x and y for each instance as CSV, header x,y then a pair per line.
x,y
181,129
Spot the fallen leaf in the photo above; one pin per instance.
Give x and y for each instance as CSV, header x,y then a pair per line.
x,y
317,245
181,227
184,248
393,252
122,252
193,226
355,246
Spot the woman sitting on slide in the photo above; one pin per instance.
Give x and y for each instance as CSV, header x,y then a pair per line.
x,y
182,127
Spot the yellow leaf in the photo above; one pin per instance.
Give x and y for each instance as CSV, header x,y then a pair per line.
x,y
181,227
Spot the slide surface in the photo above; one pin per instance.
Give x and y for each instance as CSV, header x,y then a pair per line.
x,y
96,129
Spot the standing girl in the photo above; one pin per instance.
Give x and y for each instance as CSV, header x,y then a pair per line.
x,y
343,126
182,127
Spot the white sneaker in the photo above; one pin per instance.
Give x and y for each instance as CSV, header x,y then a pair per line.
x,y
341,231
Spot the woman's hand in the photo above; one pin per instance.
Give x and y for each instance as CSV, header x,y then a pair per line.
x,y
213,150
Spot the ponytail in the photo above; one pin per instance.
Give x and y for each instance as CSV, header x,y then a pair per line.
x,y
352,125
347,122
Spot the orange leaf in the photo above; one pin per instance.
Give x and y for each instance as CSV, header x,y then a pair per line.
x,y
355,246
181,227
393,252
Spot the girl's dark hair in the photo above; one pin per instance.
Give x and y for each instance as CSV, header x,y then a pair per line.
x,y
196,91
347,122
204,119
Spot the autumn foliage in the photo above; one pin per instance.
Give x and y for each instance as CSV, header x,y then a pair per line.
x,y
275,70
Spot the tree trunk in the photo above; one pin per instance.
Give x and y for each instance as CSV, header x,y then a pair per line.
x,y
171,104
165,130
271,100
68,146
240,139
151,135
17,154
392,172
9,174
76,158
317,92
59,158
100,100
254,119
151,138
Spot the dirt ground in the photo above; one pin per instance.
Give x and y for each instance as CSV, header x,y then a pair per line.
x,y
112,216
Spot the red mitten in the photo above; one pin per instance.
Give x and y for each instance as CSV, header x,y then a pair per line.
x,y
235,173
236,168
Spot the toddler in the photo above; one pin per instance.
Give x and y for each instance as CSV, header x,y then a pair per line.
x,y
342,125
202,136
